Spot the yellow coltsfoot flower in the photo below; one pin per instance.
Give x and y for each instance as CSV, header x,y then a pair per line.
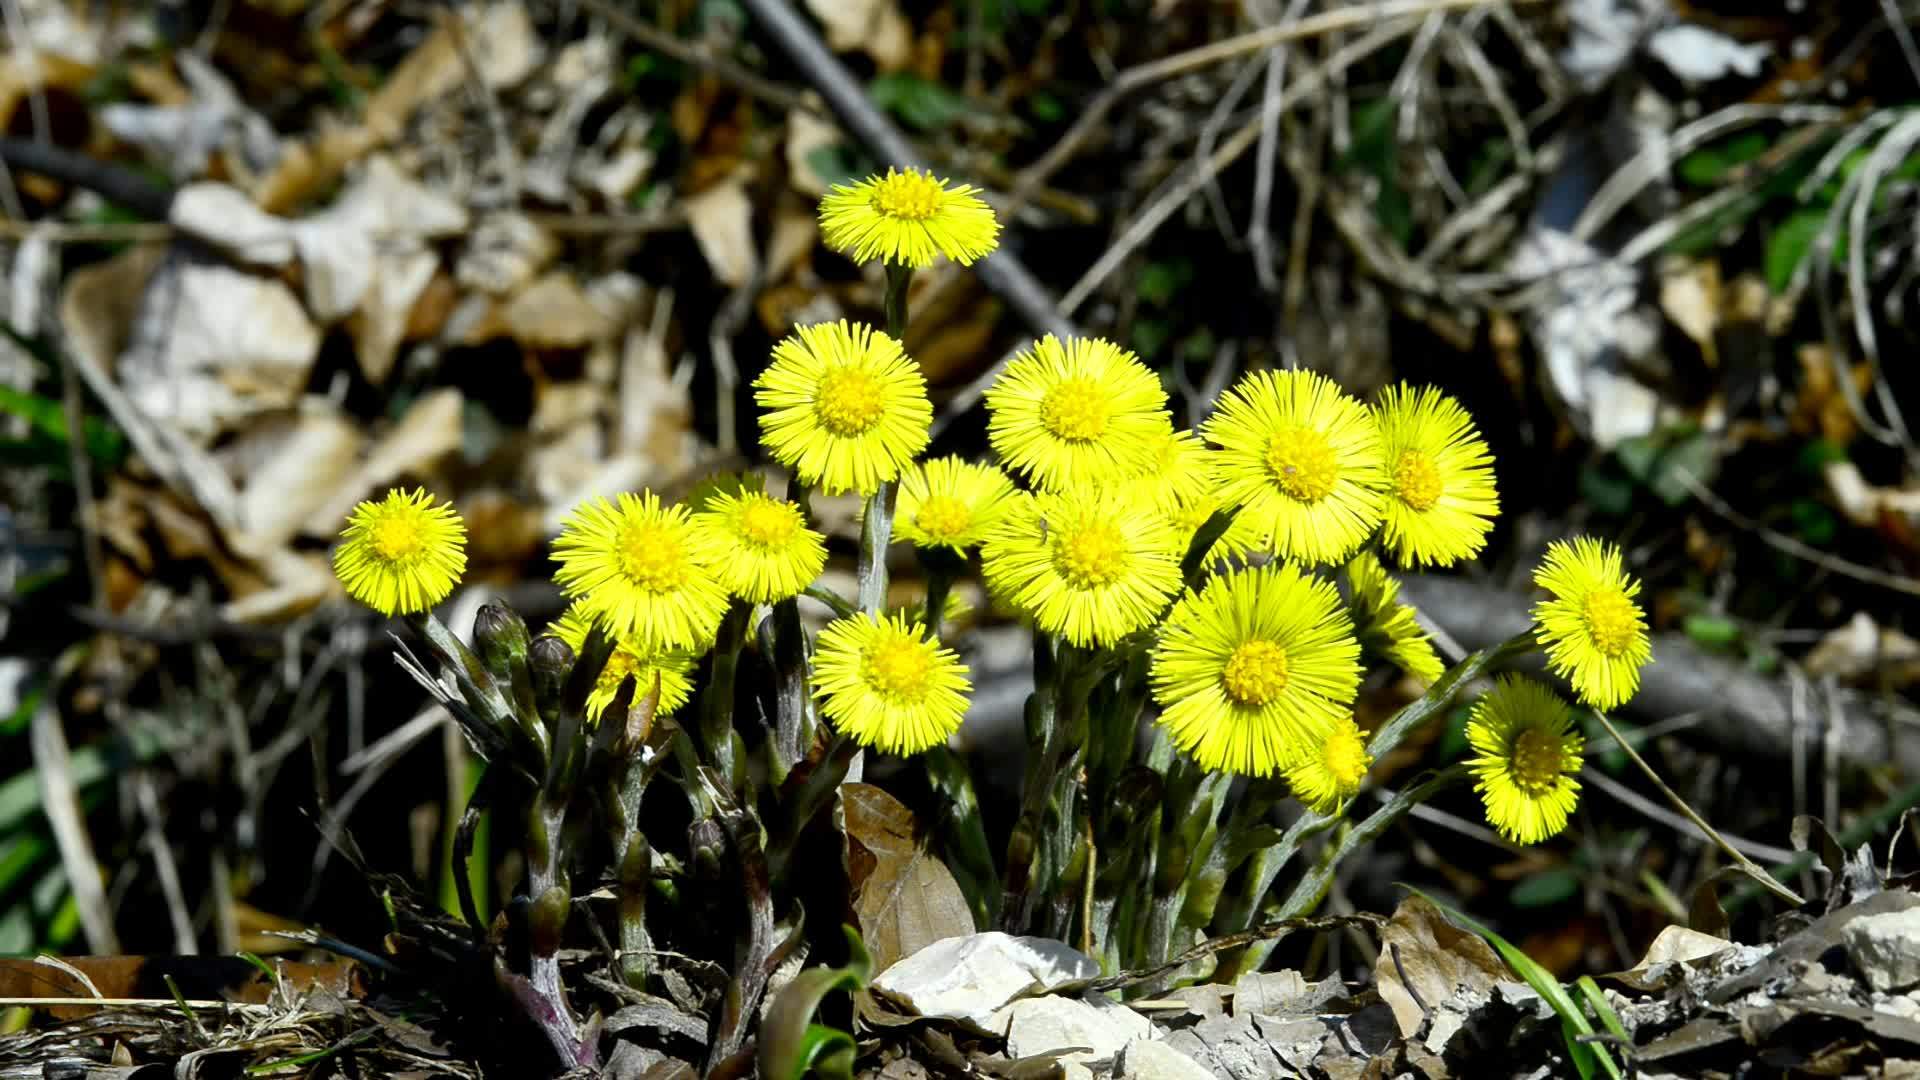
x,y
1244,536
1091,567
1526,761
1067,414
672,667
1255,671
1441,500
951,503
1594,633
1332,772
1302,459
643,571
1180,474
888,685
1388,628
846,409
907,217
401,554
765,550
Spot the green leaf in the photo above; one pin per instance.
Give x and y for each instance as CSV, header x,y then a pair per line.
x,y
791,1044
1605,488
1709,165
1788,244
1045,107
1545,889
838,163
1608,1018
1814,522
1573,1019
1712,631
918,102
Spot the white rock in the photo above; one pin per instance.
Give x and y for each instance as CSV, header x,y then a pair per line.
x,y
971,976
1145,1059
1885,948
1043,1025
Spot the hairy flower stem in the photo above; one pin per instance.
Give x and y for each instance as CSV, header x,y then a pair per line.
x,y
551,895
716,714
794,720
876,527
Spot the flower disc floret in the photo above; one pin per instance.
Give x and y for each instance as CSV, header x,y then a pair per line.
x,y
1066,414
907,217
1527,757
888,684
673,668
401,554
766,552
950,503
1302,460
1256,670
1441,500
1092,568
1594,634
643,570
846,409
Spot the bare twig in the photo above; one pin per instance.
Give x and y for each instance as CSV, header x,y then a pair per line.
x,y
1782,542
726,70
53,768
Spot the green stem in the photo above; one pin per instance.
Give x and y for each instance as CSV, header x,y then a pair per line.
x,y
716,716
895,302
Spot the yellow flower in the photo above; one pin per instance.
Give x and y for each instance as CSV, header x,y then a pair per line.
x,y
845,407
1180,475
1594,634
402,554
1083,411
1441,500
1331,773
1301,458
1244,536
766,552
948,502
1256,670
906,217
1526,759
887,685
642,570
1387,627
1092,568
673,667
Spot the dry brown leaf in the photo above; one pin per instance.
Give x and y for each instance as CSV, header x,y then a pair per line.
x,y
298,463
722,221
875,27
297,582
1420,949
98,307
501,40
430,430
1690,294
807,133
503,253
553,313
905,898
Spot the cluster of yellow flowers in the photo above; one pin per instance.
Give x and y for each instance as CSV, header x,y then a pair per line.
x,y
1255,666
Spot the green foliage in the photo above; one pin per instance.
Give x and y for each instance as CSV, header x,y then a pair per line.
x,y
1586,1057
1375,149
791,1044
1711,631
1546,888
917,102
1668,463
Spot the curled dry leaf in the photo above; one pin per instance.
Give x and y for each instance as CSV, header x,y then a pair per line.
x,y
906,898
295,465
1426,962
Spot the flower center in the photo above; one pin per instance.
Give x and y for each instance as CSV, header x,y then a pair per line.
x,y
849,401
898,665
1256,673
943,517
620,665
1416,480
1075,410
397,539
1091,556
768,523
1346,758
1612,621
1302,463
652,557
907,195
1536,762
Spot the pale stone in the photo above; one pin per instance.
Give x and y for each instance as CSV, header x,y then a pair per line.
x,y
972,976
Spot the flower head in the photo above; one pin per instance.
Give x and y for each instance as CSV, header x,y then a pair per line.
x,y
951,503
906,217
1243,537
673,667
1076,412
845,407
1331,772
1301,457
1526,759
1388,628
766,552
1180,473
401,554
641,570
1090,567
1594,633
887,684
1256,670
1441,500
